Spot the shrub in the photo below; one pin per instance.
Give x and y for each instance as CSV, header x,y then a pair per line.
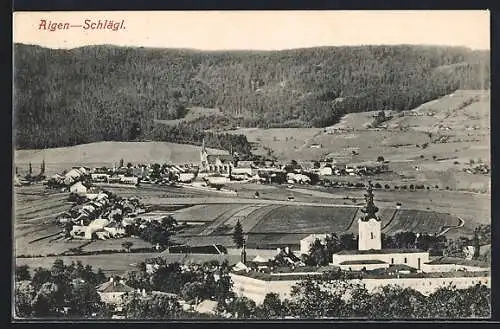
x,y
387,186
380,158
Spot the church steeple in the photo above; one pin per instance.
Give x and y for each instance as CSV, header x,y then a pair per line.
x,y
370,210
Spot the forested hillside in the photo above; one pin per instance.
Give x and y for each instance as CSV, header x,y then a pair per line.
x,y
99,93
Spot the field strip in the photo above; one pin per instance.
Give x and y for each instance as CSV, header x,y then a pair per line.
x,y
352,220
390,220
254,218
446,229
221,219
43,217
242,215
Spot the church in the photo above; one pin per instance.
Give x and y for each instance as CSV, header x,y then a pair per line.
x,y
216,163
370,254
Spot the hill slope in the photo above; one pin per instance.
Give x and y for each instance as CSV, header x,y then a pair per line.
x,y
101,93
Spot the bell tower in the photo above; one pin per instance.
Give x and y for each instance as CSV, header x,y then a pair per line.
x,y
203,156
369,226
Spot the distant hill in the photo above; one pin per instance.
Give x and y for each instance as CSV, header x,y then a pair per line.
x,y
102,93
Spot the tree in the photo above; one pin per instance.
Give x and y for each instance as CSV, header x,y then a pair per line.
x,y
395,302
127,245
22,273
194,291
24,293
238,237
272,307
46,302
242,308
84,300
380,158
154,307
318,254
129,165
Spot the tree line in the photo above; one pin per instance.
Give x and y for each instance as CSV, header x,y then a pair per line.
x,y
101,93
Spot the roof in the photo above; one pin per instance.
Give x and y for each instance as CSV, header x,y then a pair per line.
x,y
259,259
222,157
206,306
361,262
315,236
114,286
381,251
78,184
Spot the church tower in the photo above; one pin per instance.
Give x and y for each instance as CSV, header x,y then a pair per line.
x,y
203,156
369,226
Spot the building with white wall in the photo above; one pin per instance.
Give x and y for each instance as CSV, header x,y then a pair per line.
x,y
257,288
370,254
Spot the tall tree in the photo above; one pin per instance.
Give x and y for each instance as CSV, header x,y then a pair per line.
x,y
238,237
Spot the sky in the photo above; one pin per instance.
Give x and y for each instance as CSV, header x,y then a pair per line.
x,y
259,30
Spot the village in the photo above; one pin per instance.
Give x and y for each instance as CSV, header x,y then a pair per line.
x,y
98,214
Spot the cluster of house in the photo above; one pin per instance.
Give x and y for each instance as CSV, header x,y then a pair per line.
x,y
100,216
478,169
116,292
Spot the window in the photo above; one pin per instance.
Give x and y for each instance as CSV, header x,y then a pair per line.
x,y
405,260
372,235
392,260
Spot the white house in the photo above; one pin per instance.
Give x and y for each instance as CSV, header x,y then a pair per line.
x,y
326,171
78,188
186,177
132,180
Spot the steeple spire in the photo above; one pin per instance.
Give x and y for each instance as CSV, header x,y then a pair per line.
x,y
370,209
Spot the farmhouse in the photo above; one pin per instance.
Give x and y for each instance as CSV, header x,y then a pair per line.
x,y
113,291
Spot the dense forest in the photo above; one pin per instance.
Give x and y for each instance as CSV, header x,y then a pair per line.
x,y
98,93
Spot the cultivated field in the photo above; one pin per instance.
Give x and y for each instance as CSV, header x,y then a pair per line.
x,y
35,211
